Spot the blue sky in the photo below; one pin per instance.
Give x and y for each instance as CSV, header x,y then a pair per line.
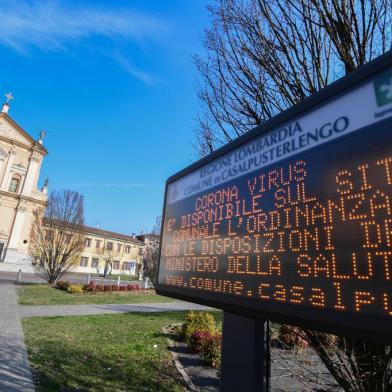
x,y
112,83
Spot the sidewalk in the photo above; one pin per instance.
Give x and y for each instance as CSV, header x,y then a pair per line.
x,y
83,310
15,373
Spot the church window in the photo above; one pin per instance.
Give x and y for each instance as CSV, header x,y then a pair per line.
x,y
14,184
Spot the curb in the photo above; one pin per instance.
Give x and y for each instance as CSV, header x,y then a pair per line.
x,y
171,343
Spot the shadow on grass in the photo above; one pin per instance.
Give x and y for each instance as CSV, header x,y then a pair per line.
x,y
161,335
69,369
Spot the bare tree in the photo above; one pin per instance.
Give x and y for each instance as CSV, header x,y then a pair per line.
x,y
150,253
57,236
109,256
265,56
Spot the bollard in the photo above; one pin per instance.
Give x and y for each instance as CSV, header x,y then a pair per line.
x,y
146,283
88,278
118,280
19,278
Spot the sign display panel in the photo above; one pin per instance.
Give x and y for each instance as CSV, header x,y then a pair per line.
x,y
295,224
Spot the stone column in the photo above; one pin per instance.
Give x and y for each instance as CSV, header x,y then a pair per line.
x,y
17,228
7,172
3,157
31,174
13,254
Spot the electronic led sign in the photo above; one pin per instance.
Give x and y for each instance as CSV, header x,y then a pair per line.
x,y
295,223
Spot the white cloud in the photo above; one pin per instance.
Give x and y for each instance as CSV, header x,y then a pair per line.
x,y
53,25
132,70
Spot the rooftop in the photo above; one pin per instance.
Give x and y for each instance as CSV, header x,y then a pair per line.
x,y
105,233
111,234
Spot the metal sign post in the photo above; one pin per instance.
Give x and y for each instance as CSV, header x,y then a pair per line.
x,y
245,354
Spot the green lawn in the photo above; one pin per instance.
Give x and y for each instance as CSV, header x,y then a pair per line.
x,y
102,353
38,294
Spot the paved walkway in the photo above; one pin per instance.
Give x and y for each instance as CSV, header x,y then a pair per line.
x,y
81,310
15,373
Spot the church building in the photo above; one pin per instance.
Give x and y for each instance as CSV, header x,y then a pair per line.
x,y
21,157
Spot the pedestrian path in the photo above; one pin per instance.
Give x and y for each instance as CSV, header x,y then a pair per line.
x,y
82,310
15,373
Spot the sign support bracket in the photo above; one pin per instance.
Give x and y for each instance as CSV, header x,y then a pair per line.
x,y
245,354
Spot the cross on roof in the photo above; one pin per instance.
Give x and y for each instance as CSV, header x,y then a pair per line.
x,y
9,96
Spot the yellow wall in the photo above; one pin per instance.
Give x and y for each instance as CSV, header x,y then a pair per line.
x,y
122,256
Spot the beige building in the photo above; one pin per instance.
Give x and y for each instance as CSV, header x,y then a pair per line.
x,y
121,253
21,158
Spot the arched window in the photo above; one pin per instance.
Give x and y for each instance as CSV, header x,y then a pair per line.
x,y
14,183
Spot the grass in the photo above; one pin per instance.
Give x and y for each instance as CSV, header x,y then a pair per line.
x,y
102,353
38,294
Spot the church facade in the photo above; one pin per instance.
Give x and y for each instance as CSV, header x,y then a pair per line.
x,y
21,157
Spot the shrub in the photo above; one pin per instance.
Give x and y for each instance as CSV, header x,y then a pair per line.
x,y
99,287
114,287
75,288
211,349
133,287
197,321
92,286
123,288
208,345
62,284
107,287
197,340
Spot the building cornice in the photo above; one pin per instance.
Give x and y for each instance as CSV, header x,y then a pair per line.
x,y
34,144
24,198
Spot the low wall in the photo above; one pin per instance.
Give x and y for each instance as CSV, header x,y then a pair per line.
x,y
15,267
